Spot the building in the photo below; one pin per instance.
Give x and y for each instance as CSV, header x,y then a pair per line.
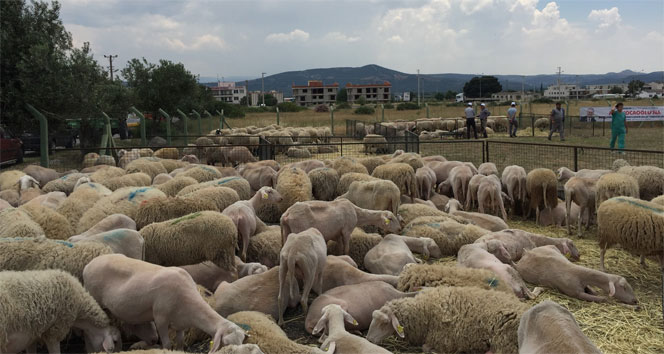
x,y
256,99
565,91
315,93
371,93
228,92
604,88
514,96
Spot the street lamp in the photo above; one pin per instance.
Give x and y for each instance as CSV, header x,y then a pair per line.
x,y
263,87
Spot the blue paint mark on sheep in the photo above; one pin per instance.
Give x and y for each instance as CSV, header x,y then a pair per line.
x,y
133,194
115,235
245,327
227,180
65,243
640,205
493,282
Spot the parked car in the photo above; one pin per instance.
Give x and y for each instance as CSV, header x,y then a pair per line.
x,y
32,142
11,150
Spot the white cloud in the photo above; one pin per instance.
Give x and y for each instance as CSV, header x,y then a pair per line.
x,y
606,17
395,39
471,6
340,37
294,35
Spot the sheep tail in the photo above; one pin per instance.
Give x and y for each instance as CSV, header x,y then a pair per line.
x,y
291,277
544,188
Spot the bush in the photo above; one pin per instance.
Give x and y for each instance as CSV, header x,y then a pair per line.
x,y
543,100
456,104
407,106
290,107
343,105
389,106
322,108
364,110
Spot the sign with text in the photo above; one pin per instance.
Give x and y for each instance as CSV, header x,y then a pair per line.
x,y
633,113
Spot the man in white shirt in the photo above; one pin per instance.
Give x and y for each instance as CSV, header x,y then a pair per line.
x,y
470,120
511,116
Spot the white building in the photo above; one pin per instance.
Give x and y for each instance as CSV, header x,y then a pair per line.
x,y
514,96
228,92
256,98
564,91
604,88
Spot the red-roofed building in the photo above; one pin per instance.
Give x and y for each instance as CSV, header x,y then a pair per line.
x,y
372,93
315,93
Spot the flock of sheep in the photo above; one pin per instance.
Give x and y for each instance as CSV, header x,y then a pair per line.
x,y
432,128
161,251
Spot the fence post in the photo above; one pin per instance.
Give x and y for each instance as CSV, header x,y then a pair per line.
x,y
576,159
341,142
532,124
603,120
108,143
209,116
43,134
382,114
277,108
142,118
185,119
332,119
426,105
200,131
486,146
168,125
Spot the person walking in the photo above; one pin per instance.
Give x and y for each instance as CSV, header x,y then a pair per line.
x,y
470,120
511,117
618,126
484,114
557,121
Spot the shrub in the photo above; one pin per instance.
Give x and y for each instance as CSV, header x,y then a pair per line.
x,y
542,100
290,107
364,110
343,105
322,108
389,106
407,106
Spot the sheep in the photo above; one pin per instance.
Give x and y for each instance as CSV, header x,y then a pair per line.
x,y
650,179
124,241
222,197
489,193
513,180
637,225
403,175
393,253
485,221
89,159
64,184
452,319
259,176
336,220
263,331
190,158
41,253
617,164
30,194
175,185
51,200
4,205
409,212
208,275
217,154
122,201
324,183
239,155
458,179
414,277
371,163
542,124
374,195
438,158
146,165
306,165
426,181
135,291
548,267
449,235
541,186
341,270
346,164
11,196
488,168
127,156
227,171
238,184
106,173
582,192
44,175
374,144
43,305
350,177
161,179
111,222
269,163
18,223
303,251
55,225
171,165
82,199
201,173
564,174
137,179
359,300
264,247
167,153
294,186
549,328
300,153
516,241
332,319
243,214
410,158
658,200
166,208
105,160
360,243
9,179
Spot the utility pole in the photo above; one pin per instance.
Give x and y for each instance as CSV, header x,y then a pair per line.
x,y
110,63
559,71
418,87
481,85
263,87
246,91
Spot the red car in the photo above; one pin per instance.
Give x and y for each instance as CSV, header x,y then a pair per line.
x,y
11,150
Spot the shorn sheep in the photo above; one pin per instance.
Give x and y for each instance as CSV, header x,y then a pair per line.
x,y
43,305
635,224
360,243
41,253
452,319
375,195
190,239
402,174
417,276
542,188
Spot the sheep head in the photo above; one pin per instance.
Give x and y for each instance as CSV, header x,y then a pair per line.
x,y
383,324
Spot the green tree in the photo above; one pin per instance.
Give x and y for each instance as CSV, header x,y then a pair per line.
x,y
362,101
482,87
616,90
439,96
449,95
342,95
635,86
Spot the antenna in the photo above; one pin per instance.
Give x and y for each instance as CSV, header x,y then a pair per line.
x,y
559,71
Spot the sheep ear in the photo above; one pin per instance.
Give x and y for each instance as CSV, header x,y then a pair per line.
x,y
566,250
612,289
264,194
387,220
108,344
349,318
321,324
397,327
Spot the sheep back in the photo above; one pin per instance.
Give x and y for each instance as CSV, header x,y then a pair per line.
x,y
346,164
222,197
107,172
264,247
238,184
360,243
201,173
191,239
137,179
55,225
449,235
166,208
175,185
9,179
542,183
402,174
147,165
414,160
371,163
348,178
416,276
649,178
614,185
324,183
64,184
410,212
18,223
78,203
637,225
167,153
263,331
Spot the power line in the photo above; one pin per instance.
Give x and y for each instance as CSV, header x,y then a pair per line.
x,y
110,63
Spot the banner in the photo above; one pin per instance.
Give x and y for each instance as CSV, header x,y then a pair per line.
x,y
633,114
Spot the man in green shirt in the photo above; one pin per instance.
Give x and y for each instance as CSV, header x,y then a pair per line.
x,y
618,126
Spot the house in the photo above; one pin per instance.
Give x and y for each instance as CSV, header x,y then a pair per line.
x,y
514,96
370,93
565,91
604,89
315,93
256,98
228,92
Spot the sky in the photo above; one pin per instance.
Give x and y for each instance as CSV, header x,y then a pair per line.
x,y
244,38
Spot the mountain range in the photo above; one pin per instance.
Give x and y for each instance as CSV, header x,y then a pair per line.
x,y
431,82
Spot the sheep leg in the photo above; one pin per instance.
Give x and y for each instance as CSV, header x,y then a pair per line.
x,y
642,261
162,329
245,232
308,277
568,209
179,340
579,222
53,345
587,297
601,258
537,212
282,299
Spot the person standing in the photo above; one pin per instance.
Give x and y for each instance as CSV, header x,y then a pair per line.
x,y
558,121
511,117
484,114
470,120
618,126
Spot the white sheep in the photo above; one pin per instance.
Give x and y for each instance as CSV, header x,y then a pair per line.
x,y
514,181
415,277
18,223
43,305
489,195
542,189
394,252
124,241
402,174
581,191
485,221
615,185
488,168
374,195
650,179
333,319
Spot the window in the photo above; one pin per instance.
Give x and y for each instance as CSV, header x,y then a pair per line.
x,y
375,90
387,89
304,90
357,97
333,97
359,90
329,90
301,98
385,96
